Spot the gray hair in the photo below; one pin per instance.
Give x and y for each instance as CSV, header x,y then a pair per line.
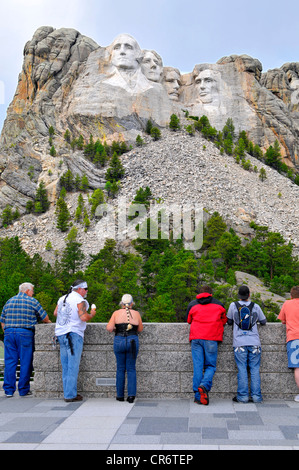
x,y
26,286
127,299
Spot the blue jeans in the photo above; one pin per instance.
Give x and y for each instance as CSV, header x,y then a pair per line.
x,y
126,354
18,345
204,356
249,357
71,347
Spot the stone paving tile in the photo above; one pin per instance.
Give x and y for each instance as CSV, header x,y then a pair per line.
x,y
26,437
32,423
156,425
214,433
290,432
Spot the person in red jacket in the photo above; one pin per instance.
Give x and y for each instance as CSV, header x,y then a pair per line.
x,y
207,317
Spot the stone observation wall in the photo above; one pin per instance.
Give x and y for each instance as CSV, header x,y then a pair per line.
x,y
164,364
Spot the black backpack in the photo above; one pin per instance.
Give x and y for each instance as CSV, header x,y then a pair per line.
x,y
245,317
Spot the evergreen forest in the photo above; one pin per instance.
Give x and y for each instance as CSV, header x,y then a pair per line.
x,y
162,276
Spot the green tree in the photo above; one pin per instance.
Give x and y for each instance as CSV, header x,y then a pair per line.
x,y
139,141
67,181
116,170
240,148
155,133
229,129
213,230
62,214
52,151
262,174
112,188
174,123
96,198
228,246
84,183
72,256
273,156
190,129
149,126
160,309
67,136
7,216
41,201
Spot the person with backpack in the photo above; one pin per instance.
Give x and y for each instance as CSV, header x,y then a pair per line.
x,y
244,316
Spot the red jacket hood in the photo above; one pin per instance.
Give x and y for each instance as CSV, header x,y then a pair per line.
x,y
204,294
204,298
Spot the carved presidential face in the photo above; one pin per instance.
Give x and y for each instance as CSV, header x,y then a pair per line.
x,y
172,83
207,85
125,52
152,66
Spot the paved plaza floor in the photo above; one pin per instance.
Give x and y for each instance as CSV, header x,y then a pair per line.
x,y
30,423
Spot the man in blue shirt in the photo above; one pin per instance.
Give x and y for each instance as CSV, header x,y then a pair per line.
x,y
18,319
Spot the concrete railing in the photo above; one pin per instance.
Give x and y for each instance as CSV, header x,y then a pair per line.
x,y
164,363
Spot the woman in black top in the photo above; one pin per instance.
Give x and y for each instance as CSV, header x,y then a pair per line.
x,y
126,323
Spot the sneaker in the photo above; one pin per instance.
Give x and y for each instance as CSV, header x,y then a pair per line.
x,y
197,401
130,399
77,398
8,395
235,399
296,398
204,396
28,394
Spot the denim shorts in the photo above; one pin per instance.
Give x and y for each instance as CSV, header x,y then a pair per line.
x,y
293,353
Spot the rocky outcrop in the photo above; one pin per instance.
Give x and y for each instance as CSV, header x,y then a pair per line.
x,y
70,82
180,170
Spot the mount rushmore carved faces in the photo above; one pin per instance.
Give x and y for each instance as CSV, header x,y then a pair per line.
x,y
172,82
152,66
207,83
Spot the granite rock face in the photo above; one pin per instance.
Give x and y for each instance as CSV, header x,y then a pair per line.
x,y
70,82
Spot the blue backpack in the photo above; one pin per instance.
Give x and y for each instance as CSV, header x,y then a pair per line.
x,y
245,317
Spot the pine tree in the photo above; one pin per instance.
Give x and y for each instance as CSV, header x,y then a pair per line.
x,y
67,180
52,151
63,215
139,141
174,122
41,199
149,126
273,156
262,175
7,215
84,183
96,199
116,170
156,133
72,256
67,136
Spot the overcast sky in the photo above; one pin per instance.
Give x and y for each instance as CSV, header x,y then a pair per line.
x,y
184,33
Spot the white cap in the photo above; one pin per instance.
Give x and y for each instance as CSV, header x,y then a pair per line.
x,y
127,299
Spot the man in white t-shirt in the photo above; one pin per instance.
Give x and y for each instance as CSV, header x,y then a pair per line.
x,y
247,346
72,315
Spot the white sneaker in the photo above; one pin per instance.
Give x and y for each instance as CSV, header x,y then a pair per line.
x,y
296,398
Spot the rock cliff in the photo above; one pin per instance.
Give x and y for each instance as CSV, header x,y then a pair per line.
x,y
69,82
